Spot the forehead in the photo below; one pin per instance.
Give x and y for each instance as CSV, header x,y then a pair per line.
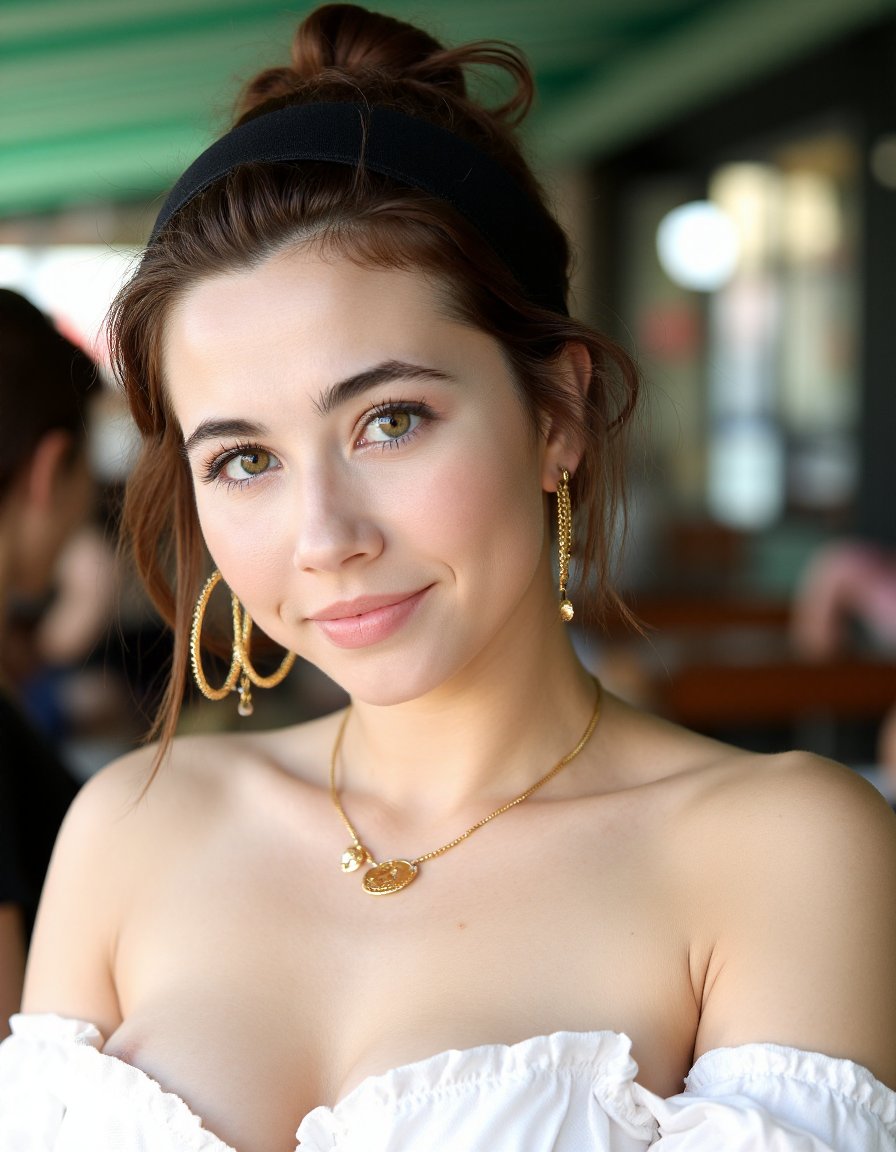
x,y
306,317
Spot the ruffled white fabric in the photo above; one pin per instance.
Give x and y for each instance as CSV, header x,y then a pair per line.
x,y
764,1096
60,1093
569,1092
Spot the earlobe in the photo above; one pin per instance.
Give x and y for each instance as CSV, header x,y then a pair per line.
x,y
565,440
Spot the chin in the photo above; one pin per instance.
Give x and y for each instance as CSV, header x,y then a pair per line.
x,y
388,691
379,696
390,679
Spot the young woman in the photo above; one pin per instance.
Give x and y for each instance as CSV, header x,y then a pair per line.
x,y
487,907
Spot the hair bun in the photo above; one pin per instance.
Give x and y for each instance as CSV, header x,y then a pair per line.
x,y
351,39
363,55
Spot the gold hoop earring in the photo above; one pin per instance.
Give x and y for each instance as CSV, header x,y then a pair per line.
x,y
241,673
276,677
564,544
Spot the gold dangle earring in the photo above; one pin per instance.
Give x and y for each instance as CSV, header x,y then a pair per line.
x,y
564,544
249,672
241,672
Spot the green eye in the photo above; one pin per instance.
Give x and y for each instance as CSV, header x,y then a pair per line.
x,y
394,425
255,462
250,463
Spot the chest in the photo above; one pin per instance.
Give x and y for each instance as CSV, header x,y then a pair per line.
x,y
262,981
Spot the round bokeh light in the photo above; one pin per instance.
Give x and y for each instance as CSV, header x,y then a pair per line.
x,y
698,246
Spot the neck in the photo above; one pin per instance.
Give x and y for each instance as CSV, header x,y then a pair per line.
x,y
479,739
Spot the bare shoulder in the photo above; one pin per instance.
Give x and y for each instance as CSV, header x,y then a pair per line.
x,y
127,831
793,834
792,804
783,874
207,771
108,844
71,957
130,795
717,790
793,860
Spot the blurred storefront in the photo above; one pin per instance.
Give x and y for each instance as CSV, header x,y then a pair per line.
x,y
745,252
744,248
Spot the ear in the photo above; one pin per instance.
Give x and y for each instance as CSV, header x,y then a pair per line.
x,y
46,467
564,442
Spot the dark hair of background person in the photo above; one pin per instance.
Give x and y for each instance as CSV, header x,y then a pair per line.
x,y
44,381
44,385
342,52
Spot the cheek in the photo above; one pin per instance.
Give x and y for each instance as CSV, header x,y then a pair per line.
x,y
487,511
245,541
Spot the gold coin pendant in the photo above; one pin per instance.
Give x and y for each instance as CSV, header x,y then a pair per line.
x,y
352,858
390,876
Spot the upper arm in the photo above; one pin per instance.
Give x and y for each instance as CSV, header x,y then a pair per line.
x,y
71,960
803,900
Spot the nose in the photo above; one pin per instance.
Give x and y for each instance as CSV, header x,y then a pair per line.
x,y
335,524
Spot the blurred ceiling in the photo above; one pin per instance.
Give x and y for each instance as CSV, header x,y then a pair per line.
x,y
109,99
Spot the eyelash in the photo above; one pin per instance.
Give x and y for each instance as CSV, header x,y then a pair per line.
x,y
211,471
390,408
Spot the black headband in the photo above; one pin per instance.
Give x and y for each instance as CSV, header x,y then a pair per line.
x,y
410,151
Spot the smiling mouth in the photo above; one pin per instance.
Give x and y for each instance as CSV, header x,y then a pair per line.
x,y
362,605
367,620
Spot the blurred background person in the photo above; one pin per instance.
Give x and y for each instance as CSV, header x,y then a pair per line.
x,y
850,584
45,496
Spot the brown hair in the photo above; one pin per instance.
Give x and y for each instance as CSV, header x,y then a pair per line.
x,y
344,53
44,381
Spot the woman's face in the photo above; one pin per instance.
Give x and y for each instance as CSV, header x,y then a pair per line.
x,y
366,476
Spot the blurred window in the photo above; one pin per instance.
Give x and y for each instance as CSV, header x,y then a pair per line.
x,y
782,372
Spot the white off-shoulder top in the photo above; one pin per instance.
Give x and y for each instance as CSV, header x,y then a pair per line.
x,y
568,1092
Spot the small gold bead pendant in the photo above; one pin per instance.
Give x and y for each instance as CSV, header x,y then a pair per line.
x,y
245,706
566,610
353,857
390,876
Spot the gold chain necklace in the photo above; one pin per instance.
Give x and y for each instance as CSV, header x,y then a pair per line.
x,y
393,875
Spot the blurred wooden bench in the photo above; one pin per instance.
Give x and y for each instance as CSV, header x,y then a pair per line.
x,y
712,662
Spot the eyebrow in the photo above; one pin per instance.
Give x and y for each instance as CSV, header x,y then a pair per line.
x,y
221,430
382,373
330,398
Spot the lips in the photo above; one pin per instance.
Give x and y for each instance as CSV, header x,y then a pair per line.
x,y
345,609
367,619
